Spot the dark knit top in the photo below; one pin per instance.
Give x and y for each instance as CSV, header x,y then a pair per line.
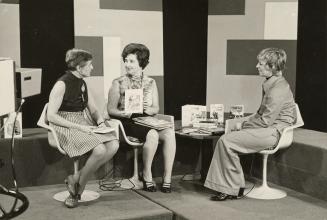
x,y
76,96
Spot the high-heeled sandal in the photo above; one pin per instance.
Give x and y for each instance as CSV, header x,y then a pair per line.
x,y
166,187
148,186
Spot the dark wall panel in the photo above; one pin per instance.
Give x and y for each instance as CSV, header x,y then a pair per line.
x,y
47,32
311,83
185,24
94,45
160,84
139,5
226,7
242,57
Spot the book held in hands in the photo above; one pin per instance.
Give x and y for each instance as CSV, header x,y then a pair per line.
x,y
103,130
134,101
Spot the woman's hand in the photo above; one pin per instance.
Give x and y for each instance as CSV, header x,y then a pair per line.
x,y
102,125
126,115
148,111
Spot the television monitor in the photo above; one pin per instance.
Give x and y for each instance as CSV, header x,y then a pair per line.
x,y
7,86
28,82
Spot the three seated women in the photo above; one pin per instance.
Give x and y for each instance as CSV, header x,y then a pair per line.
x,y
70,97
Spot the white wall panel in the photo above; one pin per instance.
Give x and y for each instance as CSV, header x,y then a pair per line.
x,y
9,32
281,20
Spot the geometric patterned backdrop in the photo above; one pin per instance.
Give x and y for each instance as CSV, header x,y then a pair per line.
x,y
240,54
233,44
104,27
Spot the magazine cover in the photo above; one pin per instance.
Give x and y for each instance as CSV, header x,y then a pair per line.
x,y
9,125
134,101
217,112
192,114
237,111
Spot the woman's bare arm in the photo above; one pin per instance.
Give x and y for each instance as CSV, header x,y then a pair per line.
x,y
113,99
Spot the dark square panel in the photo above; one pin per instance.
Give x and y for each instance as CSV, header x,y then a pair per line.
x,y
94,45
242,57
226,7
139,5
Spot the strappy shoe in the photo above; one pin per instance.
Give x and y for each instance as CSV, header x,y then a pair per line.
x,y
71,201
166,187
72,185
148,186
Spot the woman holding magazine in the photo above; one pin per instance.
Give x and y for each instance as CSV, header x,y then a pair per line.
x,y
136,58
68,99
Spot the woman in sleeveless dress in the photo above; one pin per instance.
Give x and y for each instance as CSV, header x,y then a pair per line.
x,y
136,58
68,99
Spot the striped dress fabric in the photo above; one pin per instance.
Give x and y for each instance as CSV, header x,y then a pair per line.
x,y
75,142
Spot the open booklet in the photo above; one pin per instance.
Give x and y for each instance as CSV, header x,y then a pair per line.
x,y
103,130
152,122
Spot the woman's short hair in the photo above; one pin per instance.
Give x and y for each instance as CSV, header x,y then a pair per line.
x,y
141,51
275,58
77,57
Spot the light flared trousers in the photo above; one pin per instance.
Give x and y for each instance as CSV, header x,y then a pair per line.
x,y
225,173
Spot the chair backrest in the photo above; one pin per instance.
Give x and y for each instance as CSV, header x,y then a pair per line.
x,y
52,136
299,120
286,137
122,135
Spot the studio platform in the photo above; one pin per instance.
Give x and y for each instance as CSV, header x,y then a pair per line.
x,y
189,200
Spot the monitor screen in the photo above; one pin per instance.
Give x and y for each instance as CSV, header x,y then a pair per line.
x,y
7,86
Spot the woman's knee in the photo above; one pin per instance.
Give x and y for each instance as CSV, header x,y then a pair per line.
x,y
167,134
99,151
113,145
221,142
152,136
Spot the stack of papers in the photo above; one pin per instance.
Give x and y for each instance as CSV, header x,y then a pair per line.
x,y
216,130
152,122
205,124
103,130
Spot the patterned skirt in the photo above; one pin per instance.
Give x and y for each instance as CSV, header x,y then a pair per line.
x,y
76,142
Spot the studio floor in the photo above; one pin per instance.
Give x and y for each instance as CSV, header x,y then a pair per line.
x,y
189,200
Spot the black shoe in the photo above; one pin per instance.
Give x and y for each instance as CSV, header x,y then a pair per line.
x,y
166,187
148,186
222,197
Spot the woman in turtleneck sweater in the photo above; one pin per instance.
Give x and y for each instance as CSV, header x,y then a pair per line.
x,y
136,58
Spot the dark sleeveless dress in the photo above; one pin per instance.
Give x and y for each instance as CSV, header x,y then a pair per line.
x,y
74,141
